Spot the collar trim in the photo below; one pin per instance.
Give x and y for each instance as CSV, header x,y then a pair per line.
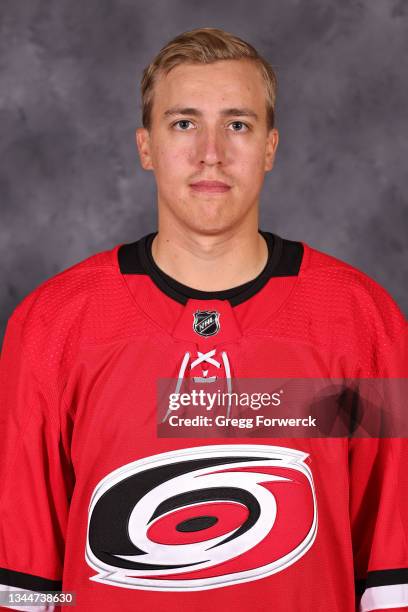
x,y
284,259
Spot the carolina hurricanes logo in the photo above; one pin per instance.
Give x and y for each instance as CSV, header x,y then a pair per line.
x,y
202,518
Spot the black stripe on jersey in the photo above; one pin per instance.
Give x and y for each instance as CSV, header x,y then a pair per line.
x,y
382,578
28,582
284,259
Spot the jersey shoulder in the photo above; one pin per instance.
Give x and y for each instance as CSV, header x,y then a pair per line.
x,y
87,304
67,289
360,316
344,315
345,288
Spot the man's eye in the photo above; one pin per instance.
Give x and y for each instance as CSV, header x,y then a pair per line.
x,y
239,125
182,123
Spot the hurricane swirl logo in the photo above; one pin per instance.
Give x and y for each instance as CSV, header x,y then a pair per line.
x,y
202,518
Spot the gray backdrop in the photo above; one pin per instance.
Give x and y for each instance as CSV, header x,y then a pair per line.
x,y
70,180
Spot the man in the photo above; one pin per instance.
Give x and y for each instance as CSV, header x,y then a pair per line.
x,y
110,493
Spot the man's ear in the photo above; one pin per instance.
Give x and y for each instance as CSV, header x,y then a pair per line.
x,y
144,148
271,146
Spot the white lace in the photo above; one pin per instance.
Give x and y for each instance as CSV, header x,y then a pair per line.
x,y
209,358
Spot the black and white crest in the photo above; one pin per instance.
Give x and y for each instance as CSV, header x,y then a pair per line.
x,y
206,322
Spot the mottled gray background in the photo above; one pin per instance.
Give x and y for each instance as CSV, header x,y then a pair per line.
x,y
70,180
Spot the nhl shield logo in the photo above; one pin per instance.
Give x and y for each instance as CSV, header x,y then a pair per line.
x,y
206,322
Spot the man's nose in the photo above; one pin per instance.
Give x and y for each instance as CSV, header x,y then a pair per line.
x,y
211,147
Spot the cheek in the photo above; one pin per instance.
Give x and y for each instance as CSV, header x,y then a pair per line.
x,y
250,162
169,159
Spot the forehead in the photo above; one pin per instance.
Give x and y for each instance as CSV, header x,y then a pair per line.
x,y
225,82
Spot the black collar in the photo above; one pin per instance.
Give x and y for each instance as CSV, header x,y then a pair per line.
x,y
284,259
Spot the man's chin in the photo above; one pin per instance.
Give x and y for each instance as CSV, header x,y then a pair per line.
x,y
202,216
210,226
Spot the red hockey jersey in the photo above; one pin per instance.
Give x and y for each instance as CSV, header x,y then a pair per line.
x,y
95,500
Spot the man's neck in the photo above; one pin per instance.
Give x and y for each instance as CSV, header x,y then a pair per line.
x,y
210,263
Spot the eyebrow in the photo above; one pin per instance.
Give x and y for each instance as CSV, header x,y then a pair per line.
x,y
226,112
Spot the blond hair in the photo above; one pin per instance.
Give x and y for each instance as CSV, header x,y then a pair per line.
x,y
205,46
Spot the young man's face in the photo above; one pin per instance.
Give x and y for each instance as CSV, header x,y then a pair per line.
x,y
209,124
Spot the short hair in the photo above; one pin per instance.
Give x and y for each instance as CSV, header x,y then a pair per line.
x,y
205,46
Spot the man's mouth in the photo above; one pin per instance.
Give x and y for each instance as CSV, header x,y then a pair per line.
x,y
210,186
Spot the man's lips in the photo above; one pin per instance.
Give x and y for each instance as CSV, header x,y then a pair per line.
x,y
210,186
